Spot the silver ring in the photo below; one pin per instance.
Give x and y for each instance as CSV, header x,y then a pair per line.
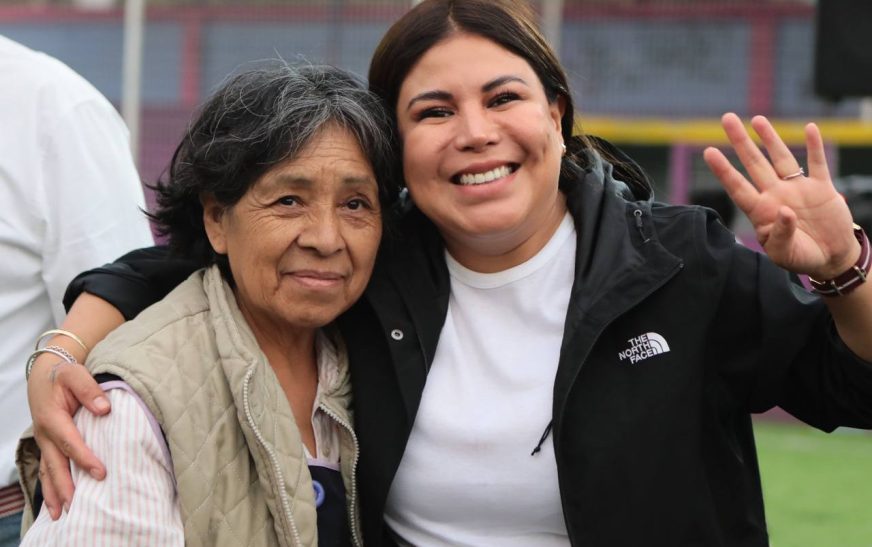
x,y
799,173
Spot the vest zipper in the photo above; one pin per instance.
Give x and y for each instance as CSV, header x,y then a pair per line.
x,y
354,516
272,456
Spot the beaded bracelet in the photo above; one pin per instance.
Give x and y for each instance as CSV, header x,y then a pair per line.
x,y
56,350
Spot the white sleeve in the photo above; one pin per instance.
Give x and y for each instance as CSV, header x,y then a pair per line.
x,y
93,194
136,504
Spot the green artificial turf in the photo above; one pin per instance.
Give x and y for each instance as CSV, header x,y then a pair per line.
x,y
817,486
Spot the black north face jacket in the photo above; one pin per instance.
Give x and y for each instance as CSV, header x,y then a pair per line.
x,y
674,335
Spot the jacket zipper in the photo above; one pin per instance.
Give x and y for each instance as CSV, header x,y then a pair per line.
x,y
354,516
584,358
286,505
638,214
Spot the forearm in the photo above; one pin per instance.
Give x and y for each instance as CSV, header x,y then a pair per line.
x,y
852,315
134,281
55,389
90,319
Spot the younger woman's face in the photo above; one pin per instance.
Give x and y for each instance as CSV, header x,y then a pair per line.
x,y
481,151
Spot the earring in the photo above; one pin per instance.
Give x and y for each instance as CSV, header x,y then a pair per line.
x,y
563,146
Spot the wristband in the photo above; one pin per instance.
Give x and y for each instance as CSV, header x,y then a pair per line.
x,y
851,278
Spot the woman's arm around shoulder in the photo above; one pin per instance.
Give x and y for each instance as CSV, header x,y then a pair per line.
x,y
136,504
98,301
134,281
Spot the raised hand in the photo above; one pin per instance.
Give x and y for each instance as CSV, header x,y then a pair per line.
x,y
802,222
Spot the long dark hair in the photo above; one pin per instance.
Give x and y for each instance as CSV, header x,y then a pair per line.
x,y
510,23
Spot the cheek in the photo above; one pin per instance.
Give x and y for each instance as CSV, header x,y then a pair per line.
x,y
548,137
410,163
365,249
421,152
363,255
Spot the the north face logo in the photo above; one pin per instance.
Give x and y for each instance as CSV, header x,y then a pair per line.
x,y
644,346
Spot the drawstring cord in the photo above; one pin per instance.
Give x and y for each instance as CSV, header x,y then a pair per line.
x,y
542,438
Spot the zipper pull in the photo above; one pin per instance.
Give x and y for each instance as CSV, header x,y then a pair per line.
x,y
638,214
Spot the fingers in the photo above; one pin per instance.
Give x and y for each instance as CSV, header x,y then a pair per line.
x,y
50,497
742,192
782,229
57,483
60,435
817,159
79,382
749,153
782,158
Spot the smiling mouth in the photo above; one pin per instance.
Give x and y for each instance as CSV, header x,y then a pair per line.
x,y
473,179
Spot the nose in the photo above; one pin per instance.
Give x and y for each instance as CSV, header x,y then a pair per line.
x,y
323,232
476,130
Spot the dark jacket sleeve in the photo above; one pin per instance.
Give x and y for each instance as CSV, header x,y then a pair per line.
x,y
778,343
134,281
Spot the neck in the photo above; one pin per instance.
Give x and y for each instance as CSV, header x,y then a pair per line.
x,y
287,348
291,354
498,252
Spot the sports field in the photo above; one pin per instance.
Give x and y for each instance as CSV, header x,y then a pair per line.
x,y
817,487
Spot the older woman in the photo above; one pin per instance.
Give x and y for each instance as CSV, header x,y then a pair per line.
x,y
546,356
231,423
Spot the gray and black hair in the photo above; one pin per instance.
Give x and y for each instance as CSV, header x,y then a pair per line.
x,y
254,121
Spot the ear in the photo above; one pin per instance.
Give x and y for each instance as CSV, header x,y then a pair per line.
x,y
557,108
213,221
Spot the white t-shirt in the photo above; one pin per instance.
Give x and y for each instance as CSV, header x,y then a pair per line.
x,y
467,476
70,200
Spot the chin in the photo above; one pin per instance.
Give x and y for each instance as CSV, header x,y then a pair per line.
x,y
315,314
492,223
311,321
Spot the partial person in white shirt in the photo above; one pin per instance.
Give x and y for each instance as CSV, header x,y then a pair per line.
x,y
231,422
70,198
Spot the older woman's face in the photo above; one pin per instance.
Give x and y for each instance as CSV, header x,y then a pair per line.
x,y
302,241
481,146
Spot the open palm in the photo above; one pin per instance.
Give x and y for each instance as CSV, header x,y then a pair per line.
x,y
802,222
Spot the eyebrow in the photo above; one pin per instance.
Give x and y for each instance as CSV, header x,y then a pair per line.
x,y
305,182
502,80
440,95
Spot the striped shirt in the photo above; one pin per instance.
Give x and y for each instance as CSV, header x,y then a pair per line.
x,y
137,504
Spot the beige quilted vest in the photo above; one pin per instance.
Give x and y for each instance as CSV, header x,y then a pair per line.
x,y
237,454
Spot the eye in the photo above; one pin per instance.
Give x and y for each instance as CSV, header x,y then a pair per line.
x,y
504,97
435,112
288,201
357,204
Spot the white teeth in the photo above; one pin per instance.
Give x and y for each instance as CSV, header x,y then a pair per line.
x,y
487,176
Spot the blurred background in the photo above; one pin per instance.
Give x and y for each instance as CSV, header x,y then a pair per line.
x,y
652,76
